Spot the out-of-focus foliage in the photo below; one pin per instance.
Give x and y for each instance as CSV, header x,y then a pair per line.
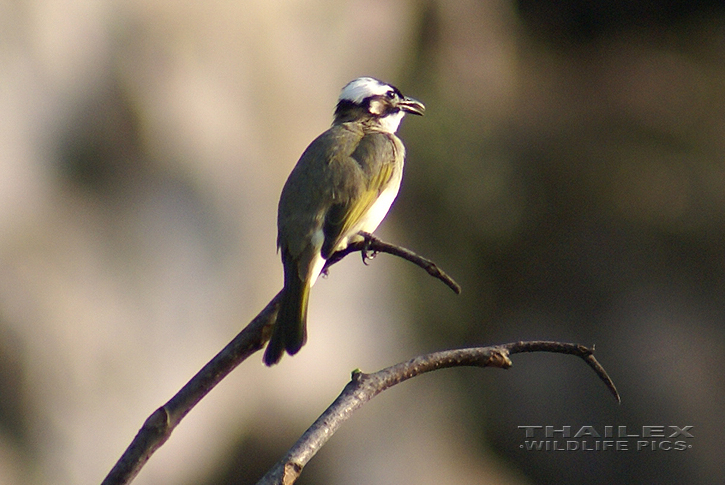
x,y
579,198
569,172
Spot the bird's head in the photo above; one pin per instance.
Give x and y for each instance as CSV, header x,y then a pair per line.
x,y
367,98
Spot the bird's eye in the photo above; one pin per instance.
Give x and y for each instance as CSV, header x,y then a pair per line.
x,y
390,94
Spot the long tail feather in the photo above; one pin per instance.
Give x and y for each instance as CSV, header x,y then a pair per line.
x,y
290,330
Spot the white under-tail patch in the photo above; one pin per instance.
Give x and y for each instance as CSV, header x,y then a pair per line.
x,y
318,262
316,267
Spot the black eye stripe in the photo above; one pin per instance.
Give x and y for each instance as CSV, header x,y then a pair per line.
x,y
385,98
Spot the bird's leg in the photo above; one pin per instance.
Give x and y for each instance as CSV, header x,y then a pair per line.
x,y
365,251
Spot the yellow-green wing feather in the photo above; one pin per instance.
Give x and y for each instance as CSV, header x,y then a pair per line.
x,y
343,217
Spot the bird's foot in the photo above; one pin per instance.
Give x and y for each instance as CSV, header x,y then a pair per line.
x,y
365,252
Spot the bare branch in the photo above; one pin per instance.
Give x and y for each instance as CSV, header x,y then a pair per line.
x,y
158,427
375,245
580,351
363,387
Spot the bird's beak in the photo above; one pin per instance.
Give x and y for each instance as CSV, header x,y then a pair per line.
x,y
412,106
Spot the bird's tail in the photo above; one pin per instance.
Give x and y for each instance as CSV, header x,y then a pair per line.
x,y
290,330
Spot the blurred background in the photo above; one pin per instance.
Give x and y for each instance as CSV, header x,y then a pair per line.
x,y
569,173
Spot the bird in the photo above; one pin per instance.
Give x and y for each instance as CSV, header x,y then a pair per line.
x,y
343,185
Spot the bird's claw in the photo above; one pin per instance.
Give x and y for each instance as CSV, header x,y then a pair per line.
x,y
365,252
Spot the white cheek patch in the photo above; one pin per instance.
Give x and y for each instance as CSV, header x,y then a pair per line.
x,y
376,107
